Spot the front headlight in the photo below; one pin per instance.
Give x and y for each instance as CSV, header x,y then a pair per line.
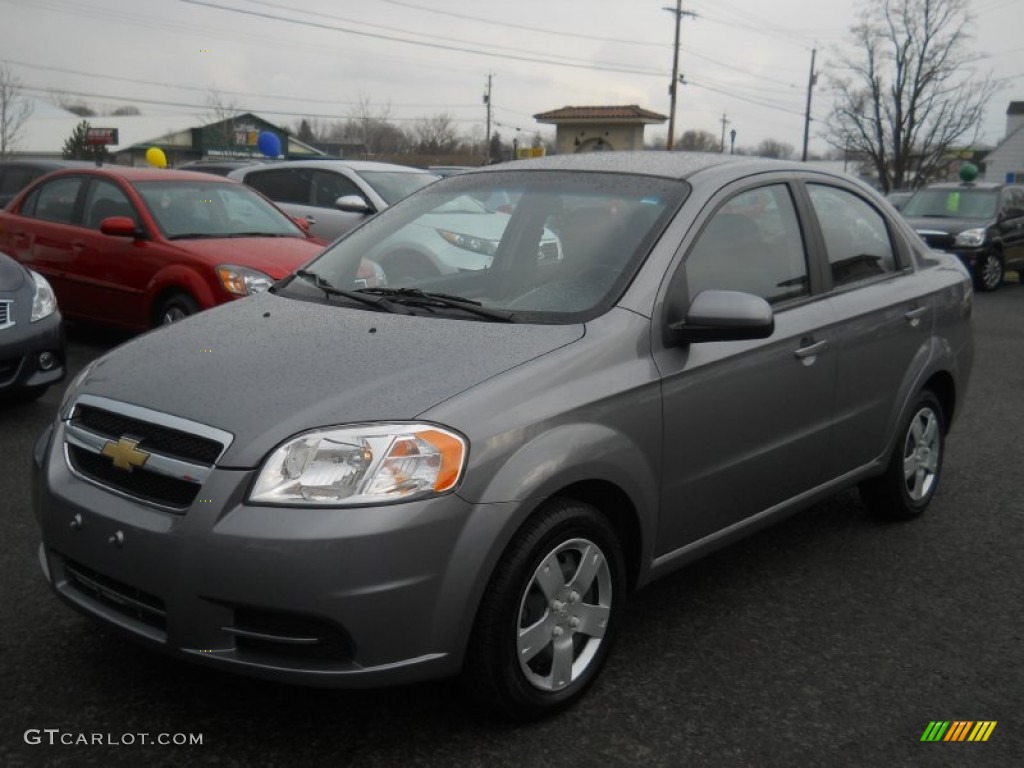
x,y
469,243
367,464
243,281
971,238
44,303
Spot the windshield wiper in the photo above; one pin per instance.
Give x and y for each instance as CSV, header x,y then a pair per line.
x,y
193,236
419,298
329,290
256,234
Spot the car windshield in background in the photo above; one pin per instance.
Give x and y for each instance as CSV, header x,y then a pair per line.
x,y
394,185
563,252
953,203
193,209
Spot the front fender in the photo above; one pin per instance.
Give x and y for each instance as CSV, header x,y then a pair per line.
x,y
179,276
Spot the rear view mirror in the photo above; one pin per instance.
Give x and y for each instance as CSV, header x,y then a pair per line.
x,y
723,316
353,204
119,226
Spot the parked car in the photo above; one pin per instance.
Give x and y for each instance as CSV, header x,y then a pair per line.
x,y
15,175
32,354
982,223
219,167
334,196
899,197
136,248
470,471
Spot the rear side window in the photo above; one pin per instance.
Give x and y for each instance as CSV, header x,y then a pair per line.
x,y
56,200
282,185
752,244
856,235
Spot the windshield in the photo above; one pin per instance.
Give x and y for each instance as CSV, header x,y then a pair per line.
x,y
394,185
962,203
185,209
563,251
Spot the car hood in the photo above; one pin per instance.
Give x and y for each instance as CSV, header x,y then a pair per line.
x,y
12,275
951,226
267,367
275,256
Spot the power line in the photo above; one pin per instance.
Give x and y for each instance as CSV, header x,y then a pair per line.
x,y
437,46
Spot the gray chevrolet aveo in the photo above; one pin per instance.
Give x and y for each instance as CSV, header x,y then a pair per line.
x,y
467,472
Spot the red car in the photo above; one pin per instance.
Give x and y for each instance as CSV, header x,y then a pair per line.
x,y
136,248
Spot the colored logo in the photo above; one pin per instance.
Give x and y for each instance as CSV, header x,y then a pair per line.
x,y
124,453
958,730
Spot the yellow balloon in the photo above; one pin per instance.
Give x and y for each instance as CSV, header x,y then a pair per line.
x,y
156,157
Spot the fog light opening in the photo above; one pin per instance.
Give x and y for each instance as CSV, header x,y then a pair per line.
x,y
47,360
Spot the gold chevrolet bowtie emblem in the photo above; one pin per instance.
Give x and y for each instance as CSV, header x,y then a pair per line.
x,y
125,454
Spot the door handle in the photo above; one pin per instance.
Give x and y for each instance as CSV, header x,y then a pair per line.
x,y
311,219
914,316
809,352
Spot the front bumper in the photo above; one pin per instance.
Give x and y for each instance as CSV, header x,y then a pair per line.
x,y
20,347
333,597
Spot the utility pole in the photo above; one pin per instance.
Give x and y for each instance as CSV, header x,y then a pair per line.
x,y
724,121
677,79
487,138
811,80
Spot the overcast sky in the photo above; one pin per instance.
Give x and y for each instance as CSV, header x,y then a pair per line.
x,y
746,59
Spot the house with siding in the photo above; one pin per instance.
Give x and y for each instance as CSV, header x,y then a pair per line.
x,y
1005,163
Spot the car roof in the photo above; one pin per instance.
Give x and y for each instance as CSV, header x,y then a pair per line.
x,y
669,165
986,185
131,174
355,165
45,164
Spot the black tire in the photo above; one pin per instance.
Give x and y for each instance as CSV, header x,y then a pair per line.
x,y
175,307
581,615
989,272
919,450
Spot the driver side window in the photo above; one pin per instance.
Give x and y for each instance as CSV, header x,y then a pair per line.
x,y
752,244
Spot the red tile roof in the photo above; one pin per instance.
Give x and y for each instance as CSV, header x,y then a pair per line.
x,y
627,113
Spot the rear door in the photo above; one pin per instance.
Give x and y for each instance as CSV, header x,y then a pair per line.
x,y
883,321
307,193
42,235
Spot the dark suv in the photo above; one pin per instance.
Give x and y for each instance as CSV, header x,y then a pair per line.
x,y
982,223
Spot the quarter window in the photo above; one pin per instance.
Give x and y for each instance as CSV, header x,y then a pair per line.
x,y
752,244
856,235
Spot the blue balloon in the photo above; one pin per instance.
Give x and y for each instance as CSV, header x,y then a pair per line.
x,y
269,144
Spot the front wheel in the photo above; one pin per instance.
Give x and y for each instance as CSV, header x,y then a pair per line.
x,y
176,307
988,272
912,477
548,618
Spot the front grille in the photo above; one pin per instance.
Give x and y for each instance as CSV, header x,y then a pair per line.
x,y
123,598
288,635
6,312
148,486
151,437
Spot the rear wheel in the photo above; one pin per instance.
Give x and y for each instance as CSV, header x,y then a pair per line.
x,y
547,620
912,477
176,307
988,272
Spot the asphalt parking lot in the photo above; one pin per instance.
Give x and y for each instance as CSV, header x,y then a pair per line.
x,y
828,640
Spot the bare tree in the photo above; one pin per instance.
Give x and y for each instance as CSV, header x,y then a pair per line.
x,y
375,129
699,141
15,110
908,96
221,113
774,148
435,134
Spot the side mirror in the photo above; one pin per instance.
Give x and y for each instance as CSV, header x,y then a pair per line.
x,y
119,226
723,316
353,204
